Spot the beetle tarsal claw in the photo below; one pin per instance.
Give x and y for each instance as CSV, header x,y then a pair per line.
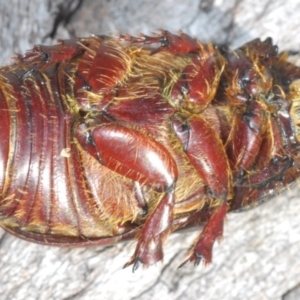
x,y
136,265
198,259
135,262
193,257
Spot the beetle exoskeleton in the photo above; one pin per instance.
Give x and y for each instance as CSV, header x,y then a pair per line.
x,y
110,138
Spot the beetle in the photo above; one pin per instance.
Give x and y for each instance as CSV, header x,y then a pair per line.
x,y
112,138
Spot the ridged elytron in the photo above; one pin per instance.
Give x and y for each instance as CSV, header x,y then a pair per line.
x,y
109,138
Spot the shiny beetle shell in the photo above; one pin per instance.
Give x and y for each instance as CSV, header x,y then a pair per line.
x,y
110,138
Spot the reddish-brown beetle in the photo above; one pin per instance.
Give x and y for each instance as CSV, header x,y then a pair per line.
x,y
105,139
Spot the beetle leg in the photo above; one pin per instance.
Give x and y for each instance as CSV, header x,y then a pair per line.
x,y
156,229
198,139
264,50
246,197
206,153
176,44
141,159
262,178
254,188
273,160
246,137
212,231
198,83
248,73
102,66
42,56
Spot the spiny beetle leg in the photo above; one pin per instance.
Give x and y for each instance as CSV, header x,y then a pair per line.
x,y
275,170
246,137
176,44
198,83
156,229
43,56
206,153
101,67
265,50
212,231
143,160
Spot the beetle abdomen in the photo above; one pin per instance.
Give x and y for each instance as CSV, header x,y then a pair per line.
x,y
42,181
